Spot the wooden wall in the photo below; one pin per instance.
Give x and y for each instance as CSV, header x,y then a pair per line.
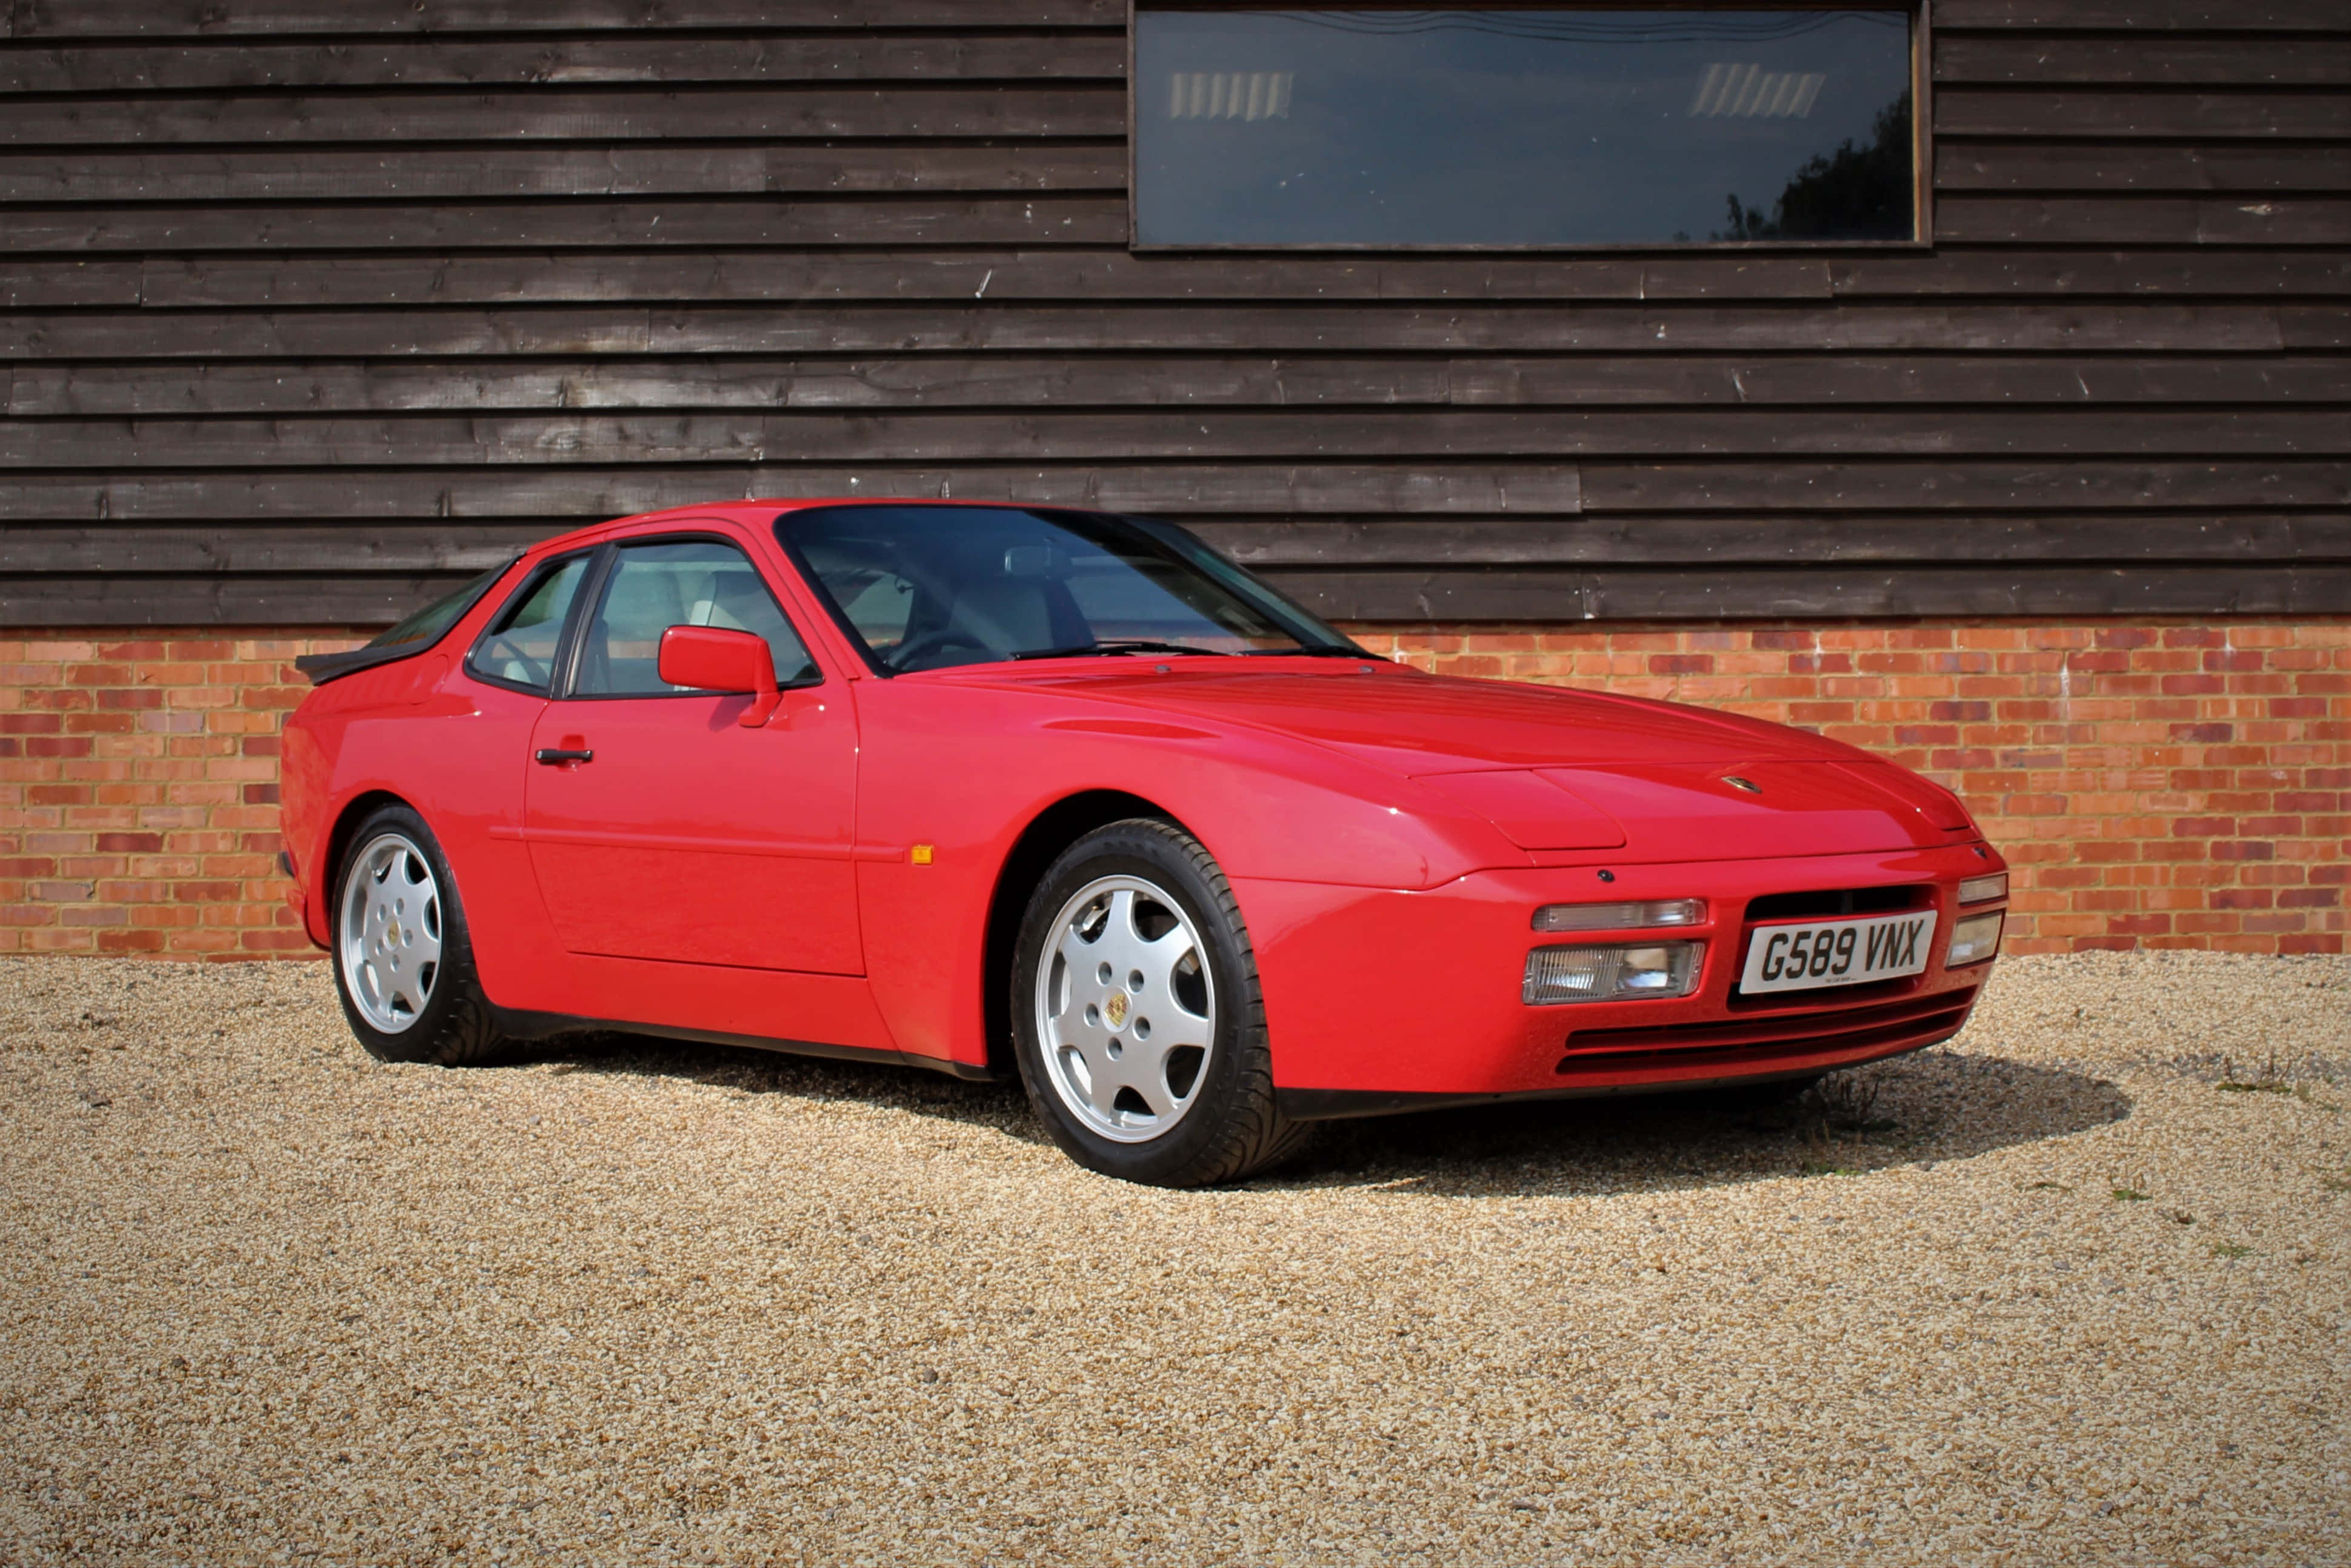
x,y
308,305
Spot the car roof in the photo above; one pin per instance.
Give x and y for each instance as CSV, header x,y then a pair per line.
x,y
748,512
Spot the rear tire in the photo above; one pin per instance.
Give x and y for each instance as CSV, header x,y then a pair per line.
x,y
1138,1020
403,960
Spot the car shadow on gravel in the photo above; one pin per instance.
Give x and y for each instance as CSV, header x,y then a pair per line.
x,y
1936,1106
743,1069
1917,1110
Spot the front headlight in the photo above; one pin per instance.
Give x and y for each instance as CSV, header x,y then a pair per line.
x,y
1973,940
1611,974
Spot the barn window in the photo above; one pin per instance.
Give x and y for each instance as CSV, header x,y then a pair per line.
x,y
1509,126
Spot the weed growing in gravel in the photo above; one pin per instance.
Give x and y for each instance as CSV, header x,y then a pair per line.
x,y
2231,1250
2129,1195
2271,1081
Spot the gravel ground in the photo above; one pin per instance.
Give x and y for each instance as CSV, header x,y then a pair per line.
x,y
2054,1293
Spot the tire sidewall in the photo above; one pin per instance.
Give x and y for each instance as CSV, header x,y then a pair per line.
x,y
420,1040
1151,852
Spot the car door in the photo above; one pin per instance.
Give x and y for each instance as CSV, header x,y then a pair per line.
x,y
662,828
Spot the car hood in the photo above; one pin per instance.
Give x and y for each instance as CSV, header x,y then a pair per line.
x,y
1558,770
1421,725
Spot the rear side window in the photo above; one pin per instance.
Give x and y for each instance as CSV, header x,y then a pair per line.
x,y
683,582
519,648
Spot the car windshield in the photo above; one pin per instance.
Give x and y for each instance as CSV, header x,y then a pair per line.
x,y
924,588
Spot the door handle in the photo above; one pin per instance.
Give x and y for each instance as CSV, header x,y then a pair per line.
x,y
553,756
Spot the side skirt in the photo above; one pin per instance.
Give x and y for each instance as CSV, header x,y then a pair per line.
x,y
518,1024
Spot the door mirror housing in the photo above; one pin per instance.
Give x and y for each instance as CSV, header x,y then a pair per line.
x,y
714,659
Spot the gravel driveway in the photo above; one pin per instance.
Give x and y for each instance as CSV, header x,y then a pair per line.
x,y
2054,1293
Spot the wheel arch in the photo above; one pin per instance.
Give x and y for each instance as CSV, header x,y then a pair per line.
x,y
357,809
1050,831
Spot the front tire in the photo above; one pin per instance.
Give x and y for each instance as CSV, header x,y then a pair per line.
x,y
1138,1019
403,960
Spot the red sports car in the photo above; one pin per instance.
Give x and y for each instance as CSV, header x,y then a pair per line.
x,y
989,789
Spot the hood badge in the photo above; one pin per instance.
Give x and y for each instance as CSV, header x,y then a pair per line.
x,y
1736,782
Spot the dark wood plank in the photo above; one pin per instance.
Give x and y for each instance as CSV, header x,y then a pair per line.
x,y
1992,111
1060,276
570,114
2149,15
243,18
2013,274
1755,594
583,493
2245,219
779,220
2142,61
613,58
1020,382
404,548
286,174
2138,166
1763,540
1944,486
1268,543
1993,327
2308,328
30,285
1195,436
179,599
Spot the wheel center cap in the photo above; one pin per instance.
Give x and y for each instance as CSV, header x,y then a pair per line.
x,y
1115,1009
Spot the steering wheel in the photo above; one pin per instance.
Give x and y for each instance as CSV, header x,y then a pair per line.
x,y
902,658
504,650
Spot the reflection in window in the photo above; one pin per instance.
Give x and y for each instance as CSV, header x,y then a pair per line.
x,y
520,647
925,588
690,583
1494,127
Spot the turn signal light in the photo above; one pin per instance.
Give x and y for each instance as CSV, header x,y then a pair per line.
x,y
1973,940
1616,973
1621,916
1984,889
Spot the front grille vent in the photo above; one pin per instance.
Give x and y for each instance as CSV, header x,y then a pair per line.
x,y
1839,901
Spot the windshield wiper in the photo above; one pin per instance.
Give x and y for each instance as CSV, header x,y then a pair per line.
x,y
1309,650
1115,645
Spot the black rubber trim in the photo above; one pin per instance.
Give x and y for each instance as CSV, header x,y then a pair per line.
x,y
285,862
1346,1105
324,667
518,1024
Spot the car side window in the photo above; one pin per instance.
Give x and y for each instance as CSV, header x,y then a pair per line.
x,y
682,582
520,646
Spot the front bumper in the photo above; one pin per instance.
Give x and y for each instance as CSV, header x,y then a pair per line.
x,y
1381,1001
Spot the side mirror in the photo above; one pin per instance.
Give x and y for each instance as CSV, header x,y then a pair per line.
x,y
714,659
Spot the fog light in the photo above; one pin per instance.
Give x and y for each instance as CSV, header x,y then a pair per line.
x,y
1973,940
1620,917
1611,974
1984,889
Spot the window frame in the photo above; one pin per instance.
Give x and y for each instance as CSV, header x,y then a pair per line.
x,y
591,594
1922,142
538,573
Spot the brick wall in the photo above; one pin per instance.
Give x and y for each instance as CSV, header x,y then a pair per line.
x,y
2161,785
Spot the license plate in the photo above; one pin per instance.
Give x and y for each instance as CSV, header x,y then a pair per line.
x,y
1819,953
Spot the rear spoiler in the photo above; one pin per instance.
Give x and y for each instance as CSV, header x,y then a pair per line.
x,y
324,667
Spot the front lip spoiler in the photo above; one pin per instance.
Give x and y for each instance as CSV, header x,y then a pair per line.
x,y
1343,1104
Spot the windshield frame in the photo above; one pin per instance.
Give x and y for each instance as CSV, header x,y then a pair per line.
x,y
1172,544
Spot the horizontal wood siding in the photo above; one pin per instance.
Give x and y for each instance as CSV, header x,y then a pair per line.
x,y
310,307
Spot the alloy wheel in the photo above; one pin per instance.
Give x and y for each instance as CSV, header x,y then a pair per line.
x,y
1125,1009
391,933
